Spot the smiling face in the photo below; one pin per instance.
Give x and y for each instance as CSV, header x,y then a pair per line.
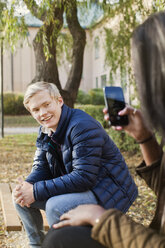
x,y
45,109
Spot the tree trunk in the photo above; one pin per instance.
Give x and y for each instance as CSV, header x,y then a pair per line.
x,y
47,70
79,41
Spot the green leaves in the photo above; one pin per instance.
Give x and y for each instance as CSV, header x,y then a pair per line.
x,y
13,28
64,47
128,15
158,5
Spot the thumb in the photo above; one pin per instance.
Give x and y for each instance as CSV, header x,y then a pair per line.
x,y
20,180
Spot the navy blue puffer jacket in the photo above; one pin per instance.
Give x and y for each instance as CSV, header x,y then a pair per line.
x,y
80,156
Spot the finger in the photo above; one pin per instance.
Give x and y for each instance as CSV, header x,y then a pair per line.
x,y
27,205
18,187
17,195
61,224
65,216
106,117
126,111
105,110
22,204
20,180
117,128
19,200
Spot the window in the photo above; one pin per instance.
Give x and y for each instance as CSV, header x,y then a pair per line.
x,y
103,80
97,47
97,82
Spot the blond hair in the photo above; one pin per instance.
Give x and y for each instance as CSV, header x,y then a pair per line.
x,y
34,88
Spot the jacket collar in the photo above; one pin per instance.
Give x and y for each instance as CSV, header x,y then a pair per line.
x,y
59,135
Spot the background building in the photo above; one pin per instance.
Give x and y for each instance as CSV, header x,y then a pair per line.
x,y
19,68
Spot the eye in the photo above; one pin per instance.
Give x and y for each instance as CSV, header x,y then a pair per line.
x,y
35,110
47,104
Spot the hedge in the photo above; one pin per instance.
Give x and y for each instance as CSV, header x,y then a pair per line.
x,y
13,105
94,97
95,111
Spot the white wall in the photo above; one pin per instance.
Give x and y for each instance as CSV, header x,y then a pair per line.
x,y
23,66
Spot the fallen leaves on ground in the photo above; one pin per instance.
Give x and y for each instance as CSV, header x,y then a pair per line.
x,y
17,153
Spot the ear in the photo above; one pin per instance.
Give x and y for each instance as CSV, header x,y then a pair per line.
x,y
60,100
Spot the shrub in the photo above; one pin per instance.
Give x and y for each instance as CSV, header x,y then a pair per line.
x,y
94,96
123,141
95,111
82,98
13,104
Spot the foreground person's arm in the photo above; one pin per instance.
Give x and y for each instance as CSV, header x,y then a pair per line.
x,y
86,214
138,129
115,230
151,150
112,228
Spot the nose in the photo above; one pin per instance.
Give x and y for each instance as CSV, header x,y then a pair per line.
x,y
42,111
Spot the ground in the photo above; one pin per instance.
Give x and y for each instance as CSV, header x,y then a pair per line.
x,y
16,159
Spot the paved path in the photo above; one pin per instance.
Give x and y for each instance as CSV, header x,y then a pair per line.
x,y
20,130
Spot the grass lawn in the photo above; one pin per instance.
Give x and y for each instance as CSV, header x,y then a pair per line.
x,y
17,153
20,121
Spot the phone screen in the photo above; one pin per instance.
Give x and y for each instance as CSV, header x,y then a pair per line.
x,y
115,102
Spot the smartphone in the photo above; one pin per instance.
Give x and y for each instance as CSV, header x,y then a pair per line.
x,y
114,100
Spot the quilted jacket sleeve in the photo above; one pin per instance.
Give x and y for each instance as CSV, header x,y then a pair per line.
x,y
40,170
116,230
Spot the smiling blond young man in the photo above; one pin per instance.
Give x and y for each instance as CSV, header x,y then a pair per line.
x,y
75,163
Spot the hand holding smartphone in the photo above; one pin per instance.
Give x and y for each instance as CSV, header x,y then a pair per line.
x,y
114,100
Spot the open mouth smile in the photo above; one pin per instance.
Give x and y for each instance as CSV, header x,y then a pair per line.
x,y
46,119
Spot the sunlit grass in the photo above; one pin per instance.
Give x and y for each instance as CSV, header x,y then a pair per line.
x,y
20,121
18,142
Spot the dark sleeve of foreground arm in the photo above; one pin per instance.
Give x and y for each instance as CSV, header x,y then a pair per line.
x,y
151,174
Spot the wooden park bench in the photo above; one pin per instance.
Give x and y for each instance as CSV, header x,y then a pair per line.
x,y
11,219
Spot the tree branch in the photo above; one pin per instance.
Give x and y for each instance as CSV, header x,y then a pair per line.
x,y
33,7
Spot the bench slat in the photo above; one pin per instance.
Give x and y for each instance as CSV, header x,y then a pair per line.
x,y
45,223
11,219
